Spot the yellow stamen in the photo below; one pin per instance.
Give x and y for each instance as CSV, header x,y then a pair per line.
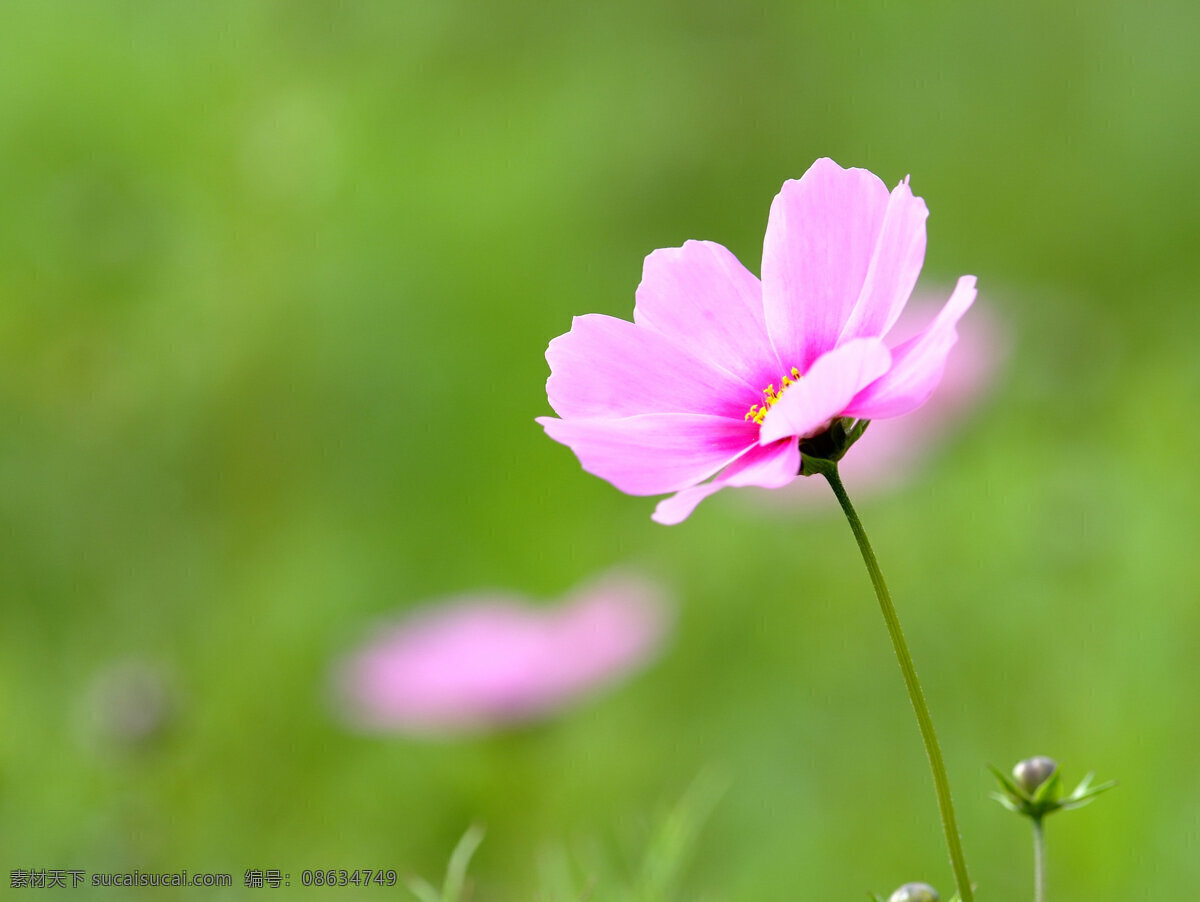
x,y
757,413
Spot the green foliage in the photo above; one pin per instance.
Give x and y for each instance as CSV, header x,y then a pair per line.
x,y
455,883
276,281
658,871
657,876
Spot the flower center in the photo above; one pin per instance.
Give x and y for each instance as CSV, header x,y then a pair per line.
x,y
758,412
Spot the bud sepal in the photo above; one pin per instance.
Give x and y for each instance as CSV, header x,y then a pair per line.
x,y
1035,789
821,452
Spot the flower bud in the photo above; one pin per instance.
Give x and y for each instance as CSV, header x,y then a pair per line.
x,y
915,892
1033,772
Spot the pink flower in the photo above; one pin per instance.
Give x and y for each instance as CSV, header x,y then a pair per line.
x,y
478,662
720,374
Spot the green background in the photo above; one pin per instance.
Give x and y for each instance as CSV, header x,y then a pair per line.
x,y
276,280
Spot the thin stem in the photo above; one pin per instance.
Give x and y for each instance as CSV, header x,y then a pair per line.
x,y
1039,861
940,781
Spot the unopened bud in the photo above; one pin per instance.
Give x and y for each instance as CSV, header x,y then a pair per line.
x,y
915,892
1033,772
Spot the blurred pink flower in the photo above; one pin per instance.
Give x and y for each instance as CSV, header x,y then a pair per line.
x,y
720,375
890,451
128,706
478,662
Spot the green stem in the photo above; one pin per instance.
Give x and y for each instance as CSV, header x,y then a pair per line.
x,y
916,696
1039,861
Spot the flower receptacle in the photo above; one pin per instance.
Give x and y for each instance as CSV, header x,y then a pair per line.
x,y
820,452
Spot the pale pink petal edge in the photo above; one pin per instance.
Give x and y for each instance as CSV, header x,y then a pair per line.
x,y
769,467
917,364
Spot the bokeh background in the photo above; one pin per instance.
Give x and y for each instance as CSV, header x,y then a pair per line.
x,y
276,280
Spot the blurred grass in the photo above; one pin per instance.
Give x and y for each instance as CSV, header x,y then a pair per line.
x,y
277,280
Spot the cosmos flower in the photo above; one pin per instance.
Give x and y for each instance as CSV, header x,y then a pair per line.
x,y
720,375
476,663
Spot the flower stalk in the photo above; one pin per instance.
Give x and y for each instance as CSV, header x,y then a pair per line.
x,y
1039,861
828,469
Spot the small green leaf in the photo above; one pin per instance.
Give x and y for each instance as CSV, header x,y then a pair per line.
x,y
1047,793
1103,787
460,859
856,431
673,843
1078,800
423,890
1084,784
1007,782
1005,801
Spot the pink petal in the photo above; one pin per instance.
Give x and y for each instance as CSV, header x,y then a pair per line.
x,y
701,297
482,661
606,628
454,663
609,367
918,363
895,264
654,453
821,235
824,391
770,467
